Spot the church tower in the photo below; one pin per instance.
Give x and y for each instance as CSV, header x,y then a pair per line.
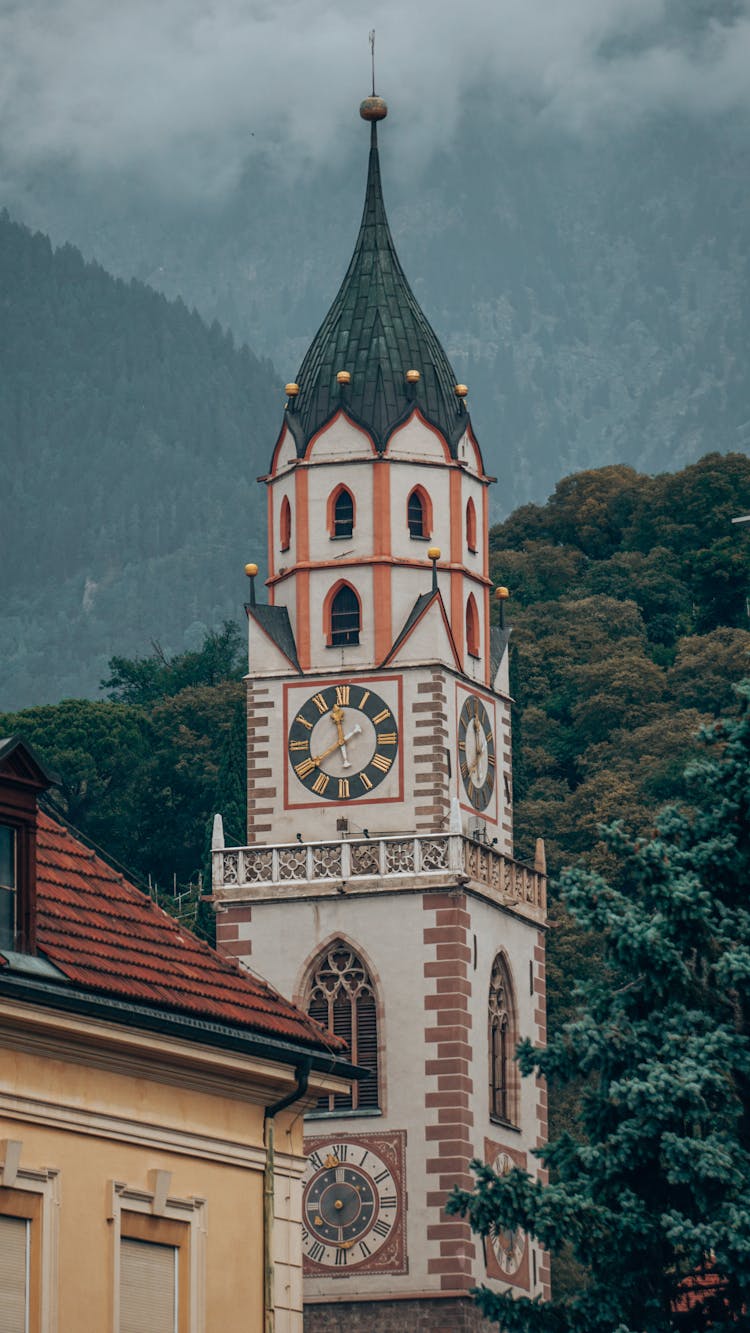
x,y
378,887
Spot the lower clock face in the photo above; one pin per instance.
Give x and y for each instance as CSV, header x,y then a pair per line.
x,y
342,743
349,1205
476,752
508,1244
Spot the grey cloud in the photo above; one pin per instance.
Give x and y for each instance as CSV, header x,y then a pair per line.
x,y
185,88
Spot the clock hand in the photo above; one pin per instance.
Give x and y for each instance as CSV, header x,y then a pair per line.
x,y
355,731
339,744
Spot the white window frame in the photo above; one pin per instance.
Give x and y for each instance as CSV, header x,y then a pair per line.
x,y
156,1201
44,1182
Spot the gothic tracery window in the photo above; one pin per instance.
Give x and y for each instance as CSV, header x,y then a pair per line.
x,y
341,996
502,1044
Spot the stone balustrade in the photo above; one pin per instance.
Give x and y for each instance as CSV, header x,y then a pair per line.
x,y
436,859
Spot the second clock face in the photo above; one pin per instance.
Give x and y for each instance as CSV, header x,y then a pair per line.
x,y
508,1244
342,742
476,752
350,1205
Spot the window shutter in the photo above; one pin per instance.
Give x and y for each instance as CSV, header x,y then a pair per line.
x,y
15,1235
148,1287
367,1049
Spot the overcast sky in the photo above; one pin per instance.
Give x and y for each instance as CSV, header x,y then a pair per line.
x,y
181,88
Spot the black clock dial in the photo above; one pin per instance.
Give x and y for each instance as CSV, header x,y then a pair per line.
x,y
349,1207
343,741
476,752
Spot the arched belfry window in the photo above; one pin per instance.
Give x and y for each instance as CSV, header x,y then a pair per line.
x,y
341,996
504,1078
471,525
341,512
344,617
472,626
285,524
419,514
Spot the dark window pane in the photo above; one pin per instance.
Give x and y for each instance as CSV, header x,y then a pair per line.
x,y
415,515
7,857
7,919
345,617
343,515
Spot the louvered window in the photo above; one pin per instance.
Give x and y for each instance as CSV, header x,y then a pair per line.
x,y
343,514
415,515
148,1287
342,997
15,1253
345,616
502,1043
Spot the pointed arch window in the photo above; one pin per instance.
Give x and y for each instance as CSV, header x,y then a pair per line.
x,y
342,512
471,525
344,616
285,524
504,1077
472,627
342,997
419,514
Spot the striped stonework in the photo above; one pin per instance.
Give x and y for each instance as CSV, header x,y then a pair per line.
x,y
429,743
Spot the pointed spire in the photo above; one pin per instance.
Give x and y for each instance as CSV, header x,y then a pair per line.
x,y
376,330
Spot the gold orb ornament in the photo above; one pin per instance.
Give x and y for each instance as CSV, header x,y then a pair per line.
x,y
412,377
251,570
343,377
502,594
373,108
292,390
461,390
433,553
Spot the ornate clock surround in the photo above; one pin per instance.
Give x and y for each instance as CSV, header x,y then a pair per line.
x,y
371,1164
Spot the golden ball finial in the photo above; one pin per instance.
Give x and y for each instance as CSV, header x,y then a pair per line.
x,y
502,594
343,377
433,553
292,390
251,570
373,108
461,390
412,377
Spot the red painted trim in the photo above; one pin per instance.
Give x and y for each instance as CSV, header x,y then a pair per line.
x,y
302,579
285,524
471,525
322,682
277,447
471,437
331,507
331,422
472,626
381,575
428,425
269,536
302,517
383,611
363,560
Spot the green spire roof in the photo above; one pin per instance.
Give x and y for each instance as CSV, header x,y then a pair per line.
x,y
376,331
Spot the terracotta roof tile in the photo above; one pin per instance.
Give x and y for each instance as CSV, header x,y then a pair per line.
x,y
105,935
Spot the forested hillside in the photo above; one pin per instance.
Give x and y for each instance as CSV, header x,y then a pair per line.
x,y
131,435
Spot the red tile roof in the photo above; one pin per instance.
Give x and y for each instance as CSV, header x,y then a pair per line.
x,y
105,935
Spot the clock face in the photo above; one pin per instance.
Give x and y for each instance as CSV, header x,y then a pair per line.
x,y
476,752
342,742
350,1205
508,1245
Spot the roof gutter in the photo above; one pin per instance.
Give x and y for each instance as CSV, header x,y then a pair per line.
x,y
108,1009
302,1074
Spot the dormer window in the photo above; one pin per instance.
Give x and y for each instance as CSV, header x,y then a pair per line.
x,y
7,887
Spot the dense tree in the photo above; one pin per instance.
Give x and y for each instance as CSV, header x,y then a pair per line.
x,y
654,1188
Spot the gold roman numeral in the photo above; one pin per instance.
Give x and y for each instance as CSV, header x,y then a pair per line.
x,y
386,712
386,738
342,694
343,788
320,703
365,697
320,783
464,770
382,762
365,782
299,745
304,721
304,768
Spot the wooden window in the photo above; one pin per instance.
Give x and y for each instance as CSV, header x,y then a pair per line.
x,y
7,887
471,525
502,1045
285,524
342,513
342,998
419,514
472,627
344,617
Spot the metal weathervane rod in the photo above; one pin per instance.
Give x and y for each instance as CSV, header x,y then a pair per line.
x,y
372,57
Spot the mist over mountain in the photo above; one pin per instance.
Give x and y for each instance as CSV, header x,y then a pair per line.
x,y
593,293
131,437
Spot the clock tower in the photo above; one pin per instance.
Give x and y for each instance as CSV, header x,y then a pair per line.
x,y
378,886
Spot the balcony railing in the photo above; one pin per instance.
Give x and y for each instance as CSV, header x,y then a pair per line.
x,y
437,858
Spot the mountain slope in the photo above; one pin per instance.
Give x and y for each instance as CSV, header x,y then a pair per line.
x,y
131,435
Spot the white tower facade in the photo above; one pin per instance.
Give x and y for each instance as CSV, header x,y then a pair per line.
x,y
378,887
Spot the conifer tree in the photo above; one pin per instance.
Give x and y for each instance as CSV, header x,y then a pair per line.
x,y
653,1193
